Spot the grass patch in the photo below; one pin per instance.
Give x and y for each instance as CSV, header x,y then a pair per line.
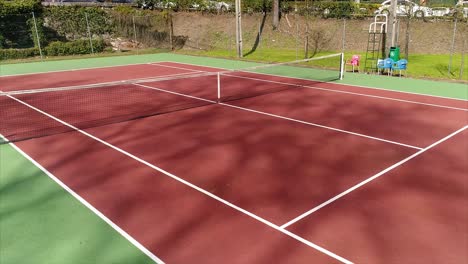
x,y
423,66
434,66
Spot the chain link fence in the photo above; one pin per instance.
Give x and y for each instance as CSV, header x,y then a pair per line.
x,y
18,32
303,36
306,29
78,30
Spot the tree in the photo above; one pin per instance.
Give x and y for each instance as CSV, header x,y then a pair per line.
x,y
276,14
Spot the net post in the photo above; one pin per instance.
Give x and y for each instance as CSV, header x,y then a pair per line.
x,y
342,64
219,86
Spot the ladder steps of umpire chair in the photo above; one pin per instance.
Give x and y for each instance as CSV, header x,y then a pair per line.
x,y
376,37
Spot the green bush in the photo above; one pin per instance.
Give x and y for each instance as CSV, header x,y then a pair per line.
x,y
257,5
59,48
121,9
2,41
19,7
70,21
333,9
56,48
10,54
336,9
369,8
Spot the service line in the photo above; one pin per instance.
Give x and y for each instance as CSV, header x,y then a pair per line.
x,y
359,185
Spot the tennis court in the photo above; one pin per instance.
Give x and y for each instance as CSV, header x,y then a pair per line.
x,y
206,165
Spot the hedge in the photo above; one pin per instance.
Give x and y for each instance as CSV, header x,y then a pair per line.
x,y
56,48
59,48
70,21
10,54
19,7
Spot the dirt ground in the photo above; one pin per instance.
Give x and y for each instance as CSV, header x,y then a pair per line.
x,y
213,31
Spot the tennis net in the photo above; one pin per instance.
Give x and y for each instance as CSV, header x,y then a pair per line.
x,y
27,114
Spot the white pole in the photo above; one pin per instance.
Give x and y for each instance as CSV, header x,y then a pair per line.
x,y
219,87
452,47
238,29
297,29
342,64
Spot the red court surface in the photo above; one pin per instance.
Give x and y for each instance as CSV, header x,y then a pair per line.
x,y
405,122
95,106
336,177
172,220
415,214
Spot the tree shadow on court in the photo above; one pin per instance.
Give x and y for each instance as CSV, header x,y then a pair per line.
x,y
276,169
386,219
240,148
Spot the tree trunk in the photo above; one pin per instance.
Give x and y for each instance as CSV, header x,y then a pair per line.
x,y
275,14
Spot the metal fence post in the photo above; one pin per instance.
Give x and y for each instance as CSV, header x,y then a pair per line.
x,y
407,37
260,35
453,46
171,31
343,37
89,33
462,63
297,29
37,35
134,33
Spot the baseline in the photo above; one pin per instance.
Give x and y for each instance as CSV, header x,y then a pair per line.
x,y
346,86
346,92
72,70
89,76
174,67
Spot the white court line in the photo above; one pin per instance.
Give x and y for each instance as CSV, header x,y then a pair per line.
x,y
174,67
346,92
258,218
96,85
375,88
321,126
283,117
341,84
171,92
88,205
212,67
315,209
217,69
77,69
